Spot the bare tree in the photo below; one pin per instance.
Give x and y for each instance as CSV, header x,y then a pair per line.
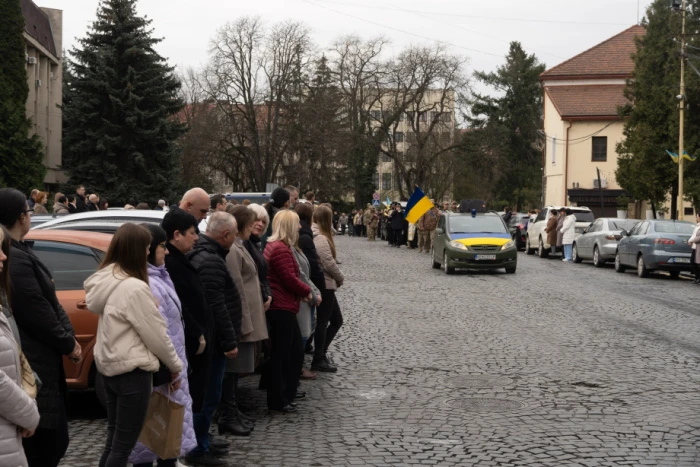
x,y
253,77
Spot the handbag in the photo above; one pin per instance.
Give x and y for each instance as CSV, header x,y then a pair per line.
x,y
162,430
29,383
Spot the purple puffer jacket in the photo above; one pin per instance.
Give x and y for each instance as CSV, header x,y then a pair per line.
x,y
169,306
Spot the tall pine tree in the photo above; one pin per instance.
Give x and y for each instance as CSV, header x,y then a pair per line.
x,y
21,157
651,118
509,123
120,113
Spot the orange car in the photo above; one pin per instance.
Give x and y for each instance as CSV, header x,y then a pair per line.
x,y
72,257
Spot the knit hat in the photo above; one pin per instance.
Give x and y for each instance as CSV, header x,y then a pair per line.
x,y
279,197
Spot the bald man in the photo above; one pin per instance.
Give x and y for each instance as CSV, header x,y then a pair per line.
x,y
196,202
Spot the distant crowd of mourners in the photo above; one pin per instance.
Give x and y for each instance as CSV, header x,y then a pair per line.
x,y
180,312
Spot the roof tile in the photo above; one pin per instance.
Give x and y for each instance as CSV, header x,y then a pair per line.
x,y
587,101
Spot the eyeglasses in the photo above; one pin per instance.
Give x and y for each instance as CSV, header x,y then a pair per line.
x,y
29,211
163,246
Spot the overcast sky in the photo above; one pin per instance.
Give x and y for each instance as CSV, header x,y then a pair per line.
x,y
554,30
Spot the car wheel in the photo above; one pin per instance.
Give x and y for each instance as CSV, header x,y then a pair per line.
x,y
448,270
436,265
674,274
642,270
619,267
541,252
510,270
528,249
574,254
597,262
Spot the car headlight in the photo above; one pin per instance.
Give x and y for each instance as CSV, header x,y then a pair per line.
x,y
508,244
459,246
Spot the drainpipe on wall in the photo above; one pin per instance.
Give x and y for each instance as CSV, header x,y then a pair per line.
x,y
566,167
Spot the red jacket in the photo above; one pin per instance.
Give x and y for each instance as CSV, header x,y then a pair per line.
x,y
283,275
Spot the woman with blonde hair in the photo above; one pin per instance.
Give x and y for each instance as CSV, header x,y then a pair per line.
x,y
132,339
288,291
329,319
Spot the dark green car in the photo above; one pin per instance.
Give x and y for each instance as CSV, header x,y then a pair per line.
x,y
473,241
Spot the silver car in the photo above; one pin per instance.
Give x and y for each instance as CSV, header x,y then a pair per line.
x,y
599,241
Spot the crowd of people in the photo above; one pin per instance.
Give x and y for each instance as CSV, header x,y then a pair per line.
x,y
80,202
180,312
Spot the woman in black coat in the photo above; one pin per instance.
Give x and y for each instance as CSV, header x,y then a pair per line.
x,y
45,331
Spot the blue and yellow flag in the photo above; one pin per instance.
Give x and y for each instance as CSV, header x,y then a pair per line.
x,y
686,156
417,205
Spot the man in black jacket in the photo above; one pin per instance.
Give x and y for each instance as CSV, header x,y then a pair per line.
x,y
80,204
209,259
45,331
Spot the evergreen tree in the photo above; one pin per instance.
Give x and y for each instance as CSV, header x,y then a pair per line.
x,y
120,117
21,157
652,117
515,116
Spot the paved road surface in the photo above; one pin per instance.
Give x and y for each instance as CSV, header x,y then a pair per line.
x,y
559,364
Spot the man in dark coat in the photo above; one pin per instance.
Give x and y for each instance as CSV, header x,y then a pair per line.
x,y
398,225
180,228
80,204
209,259
46,333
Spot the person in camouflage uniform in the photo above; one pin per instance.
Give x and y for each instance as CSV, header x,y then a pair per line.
x,y
366,219
426,229
373,225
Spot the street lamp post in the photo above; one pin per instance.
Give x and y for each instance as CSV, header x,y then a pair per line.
x,y
681,106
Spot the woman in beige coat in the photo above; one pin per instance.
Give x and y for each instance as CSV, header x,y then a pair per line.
x,y
244,272
330,319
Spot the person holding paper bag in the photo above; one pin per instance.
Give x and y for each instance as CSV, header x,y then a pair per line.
x,y
132,339
169,306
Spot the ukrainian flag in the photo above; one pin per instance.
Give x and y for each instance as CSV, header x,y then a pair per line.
x,y
418,205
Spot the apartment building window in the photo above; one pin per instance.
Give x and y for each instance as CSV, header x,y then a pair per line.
x,y
446,117
386,181
600,148
375,114
398,137
422,116
411,116
385,158
375,180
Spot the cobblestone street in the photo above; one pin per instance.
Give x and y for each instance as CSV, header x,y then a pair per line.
x,y
559,364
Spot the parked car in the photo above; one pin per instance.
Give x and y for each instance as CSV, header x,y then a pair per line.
x,y
473,241
102,221
518,228
72,257
43,218
599,241
536,238
656,245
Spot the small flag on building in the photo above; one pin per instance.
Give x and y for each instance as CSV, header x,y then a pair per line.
x,y
417,205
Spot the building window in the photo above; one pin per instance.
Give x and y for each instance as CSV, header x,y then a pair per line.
x,y
600,148
386,181
411,116
422,116
385,158
375,180
688,211
446,117
375,114
554,150
398,137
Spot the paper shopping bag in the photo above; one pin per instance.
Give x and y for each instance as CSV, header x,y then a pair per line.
x,y
162,431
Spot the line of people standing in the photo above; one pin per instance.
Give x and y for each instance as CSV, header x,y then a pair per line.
x,y
180,312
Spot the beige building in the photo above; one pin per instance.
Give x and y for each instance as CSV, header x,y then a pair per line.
x,y
43,36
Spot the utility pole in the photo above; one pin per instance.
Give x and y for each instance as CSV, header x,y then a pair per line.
x,y
681,98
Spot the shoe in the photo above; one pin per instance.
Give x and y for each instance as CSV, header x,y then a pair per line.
x,y
218,443
308,375
217,452
235,428
206,460
309,350
286,409
245,417
329,359
300,395
324,366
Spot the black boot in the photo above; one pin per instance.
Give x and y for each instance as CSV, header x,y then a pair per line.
x,y
228,411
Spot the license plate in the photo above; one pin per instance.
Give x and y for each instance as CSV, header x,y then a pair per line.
x,y
681,260
485,257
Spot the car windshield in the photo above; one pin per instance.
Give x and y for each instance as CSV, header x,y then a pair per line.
x,y
674,227
583,216
622,224
478,224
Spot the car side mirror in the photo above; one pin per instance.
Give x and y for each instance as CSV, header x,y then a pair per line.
x,y
439,231
585,230
624,233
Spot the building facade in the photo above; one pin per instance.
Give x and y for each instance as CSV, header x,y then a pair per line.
x,y
43,37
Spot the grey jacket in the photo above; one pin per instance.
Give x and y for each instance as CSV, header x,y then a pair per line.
x,y
17,409
334,278
304,315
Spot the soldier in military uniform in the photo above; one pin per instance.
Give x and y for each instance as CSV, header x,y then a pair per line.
x,y
426,229
373,225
